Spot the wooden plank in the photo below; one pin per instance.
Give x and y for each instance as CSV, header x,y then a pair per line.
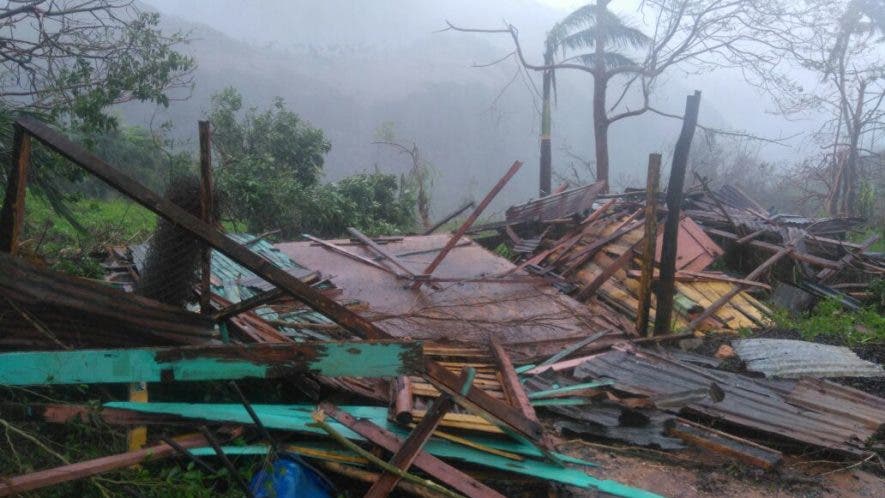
x,y
356,257
433,466
828,273
727,296
510,384
647,260
371,244
573,348
618,264
218,240
808,258
247,304
405,455
206,210
726,444
43,478
667,284
12,215
217,362
469,222
481,402
446,219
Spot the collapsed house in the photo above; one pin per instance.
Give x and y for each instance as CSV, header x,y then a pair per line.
x,y
450,357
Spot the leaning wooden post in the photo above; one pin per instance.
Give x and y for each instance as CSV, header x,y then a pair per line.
x,y
12,215
468,223
206,210
648,242
667,284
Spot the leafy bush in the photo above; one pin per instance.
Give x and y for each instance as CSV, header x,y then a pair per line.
x,y
269,171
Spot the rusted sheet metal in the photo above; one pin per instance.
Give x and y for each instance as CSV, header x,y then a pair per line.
x,y
695,249
364,359
790,359
77,312
553,207
469,309
756,404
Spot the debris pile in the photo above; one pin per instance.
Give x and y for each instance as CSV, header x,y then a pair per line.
x,y
422,359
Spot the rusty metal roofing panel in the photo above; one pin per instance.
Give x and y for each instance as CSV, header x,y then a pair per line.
x,y
757,404
791,359
556,206
829,397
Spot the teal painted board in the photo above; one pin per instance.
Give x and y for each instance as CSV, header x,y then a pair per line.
x,y
297,417
216,362
442,449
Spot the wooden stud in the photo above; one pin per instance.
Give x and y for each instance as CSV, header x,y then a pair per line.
x,y
647,261
12,215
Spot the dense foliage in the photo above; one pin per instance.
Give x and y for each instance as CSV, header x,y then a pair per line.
x,y
269,170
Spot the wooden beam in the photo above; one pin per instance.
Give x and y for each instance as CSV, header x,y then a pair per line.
x,y
468,222
433,466
371,244
206,210
217,362
749,237
478,401
667,285
725,298
799,256
647,261
12,215
215,238
449,217
406,454
828,273
403,399
510,381
347,254
247,304
43,478
622,261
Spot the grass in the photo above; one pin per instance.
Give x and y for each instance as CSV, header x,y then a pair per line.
x,y
829,319
52,239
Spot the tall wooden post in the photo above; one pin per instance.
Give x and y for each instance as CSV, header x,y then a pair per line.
x,y
206,209
648,242
12,215
667,284
546,169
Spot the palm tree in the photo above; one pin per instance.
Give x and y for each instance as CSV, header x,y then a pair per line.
x,y
595,27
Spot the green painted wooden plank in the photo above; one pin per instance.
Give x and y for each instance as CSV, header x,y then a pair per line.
x,y
298,417
217,362
534,468
568,389
561,402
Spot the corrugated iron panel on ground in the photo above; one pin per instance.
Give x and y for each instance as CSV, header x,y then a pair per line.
x,y
757,404
791,359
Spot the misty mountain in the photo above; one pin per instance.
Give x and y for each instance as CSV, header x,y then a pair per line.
x,y
349,67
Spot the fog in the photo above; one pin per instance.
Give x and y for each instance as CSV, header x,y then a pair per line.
x,y
348,66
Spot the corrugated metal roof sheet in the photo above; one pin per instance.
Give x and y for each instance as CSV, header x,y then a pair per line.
x,y
551,207
757,404
791,359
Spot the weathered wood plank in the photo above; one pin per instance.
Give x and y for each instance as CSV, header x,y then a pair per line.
x,y
12,215
435,467
224,362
